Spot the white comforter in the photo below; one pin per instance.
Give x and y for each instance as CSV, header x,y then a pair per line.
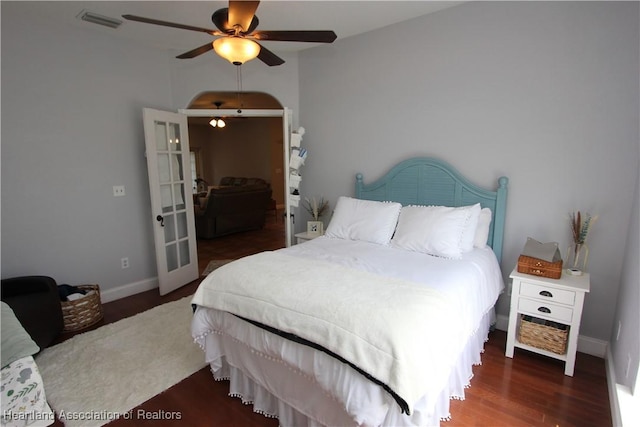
x,y
382,325
415,359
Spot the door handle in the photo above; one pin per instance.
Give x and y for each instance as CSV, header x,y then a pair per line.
x,y
544,310
160,219
546,294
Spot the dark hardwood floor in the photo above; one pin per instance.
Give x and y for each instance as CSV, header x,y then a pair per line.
x,y
528,390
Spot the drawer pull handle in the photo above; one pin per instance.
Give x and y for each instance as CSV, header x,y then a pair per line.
x,y
544,310
546,294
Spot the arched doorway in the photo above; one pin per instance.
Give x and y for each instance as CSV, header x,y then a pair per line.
x,y
251,144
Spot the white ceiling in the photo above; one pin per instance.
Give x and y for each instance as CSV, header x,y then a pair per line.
x,y
346,18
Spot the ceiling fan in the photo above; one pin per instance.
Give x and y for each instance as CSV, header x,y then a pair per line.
x,y
238,40
221,121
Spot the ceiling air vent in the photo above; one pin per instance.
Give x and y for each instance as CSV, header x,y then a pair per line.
x,y
95,18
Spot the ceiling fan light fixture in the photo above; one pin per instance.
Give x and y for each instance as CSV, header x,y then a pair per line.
x,y
217,122
236,50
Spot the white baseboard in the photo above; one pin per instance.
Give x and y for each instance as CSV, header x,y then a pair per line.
x,y
625,406
588,345
616,416
593,346
502,322
128,289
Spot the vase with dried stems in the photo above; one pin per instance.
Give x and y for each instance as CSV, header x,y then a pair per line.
x,y
316,208
578,251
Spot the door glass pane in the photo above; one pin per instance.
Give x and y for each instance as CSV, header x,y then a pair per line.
x,y
174,137
179,194
163,168
185,257
169,228
172,257
161,136
176,165
182,225
166,199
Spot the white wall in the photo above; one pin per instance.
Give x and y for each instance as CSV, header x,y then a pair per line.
x,y
625,334
72,104
625,344
545,93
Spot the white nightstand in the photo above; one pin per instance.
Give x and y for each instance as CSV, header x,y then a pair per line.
x,y
304,236
558,300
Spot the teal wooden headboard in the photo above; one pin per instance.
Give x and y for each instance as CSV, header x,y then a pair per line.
x,y
428,181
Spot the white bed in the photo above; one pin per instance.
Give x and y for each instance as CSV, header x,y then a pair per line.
x,y
357,328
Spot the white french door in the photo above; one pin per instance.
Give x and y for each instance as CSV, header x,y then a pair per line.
x,y
170,182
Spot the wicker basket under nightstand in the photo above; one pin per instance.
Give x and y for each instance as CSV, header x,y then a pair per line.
x,y
83,312
543,334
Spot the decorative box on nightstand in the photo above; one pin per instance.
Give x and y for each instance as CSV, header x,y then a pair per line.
x,y
550,303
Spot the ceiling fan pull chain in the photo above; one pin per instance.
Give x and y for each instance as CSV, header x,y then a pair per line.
x,y
239,81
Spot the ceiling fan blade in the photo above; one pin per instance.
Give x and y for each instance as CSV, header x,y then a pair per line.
x,y
296,36
241,12
268,57
197,51
170,24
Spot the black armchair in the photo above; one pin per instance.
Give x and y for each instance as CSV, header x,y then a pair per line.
x,y
36,304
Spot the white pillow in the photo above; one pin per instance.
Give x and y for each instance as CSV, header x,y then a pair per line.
x,y
482,231
469,232
367,220
437,230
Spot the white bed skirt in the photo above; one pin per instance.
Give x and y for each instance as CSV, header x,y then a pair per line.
x,y
297,398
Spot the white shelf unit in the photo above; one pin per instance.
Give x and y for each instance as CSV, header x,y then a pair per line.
x,y
293,162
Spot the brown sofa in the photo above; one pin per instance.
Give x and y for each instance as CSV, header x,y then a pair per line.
x,y
238,204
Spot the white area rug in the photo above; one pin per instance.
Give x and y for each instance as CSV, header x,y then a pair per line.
x,y
214,264
111,370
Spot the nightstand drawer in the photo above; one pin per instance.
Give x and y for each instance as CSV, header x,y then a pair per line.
x,y
551,311
547,293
